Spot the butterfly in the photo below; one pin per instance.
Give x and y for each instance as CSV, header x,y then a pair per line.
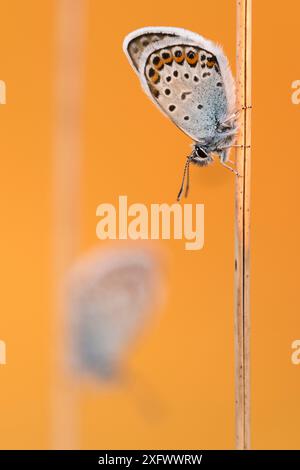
x,y
188,77
110,295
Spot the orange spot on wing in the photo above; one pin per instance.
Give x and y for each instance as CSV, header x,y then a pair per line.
x,y
180,59
169,60
194,60
211,62
155,78
160,65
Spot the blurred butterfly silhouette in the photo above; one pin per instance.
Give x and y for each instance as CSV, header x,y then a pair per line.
x,y
188,77
110,296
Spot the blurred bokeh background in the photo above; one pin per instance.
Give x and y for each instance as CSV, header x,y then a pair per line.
x,y
77,131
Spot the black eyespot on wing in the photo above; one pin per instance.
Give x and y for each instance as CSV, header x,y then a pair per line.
x,y
196,79
172,108
166,56
153,75
178,55
168,79
199,106
186,118
175,73
156,61
186,75
167,91
192,57
185,94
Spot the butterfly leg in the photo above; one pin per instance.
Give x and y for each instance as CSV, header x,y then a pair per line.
x,y
229,168
236,146
236,114
224,159
230,118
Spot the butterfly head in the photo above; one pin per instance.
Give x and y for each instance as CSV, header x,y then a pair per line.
x,y
200,156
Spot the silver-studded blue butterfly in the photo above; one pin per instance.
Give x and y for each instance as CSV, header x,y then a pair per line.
x,y
110,295
188,77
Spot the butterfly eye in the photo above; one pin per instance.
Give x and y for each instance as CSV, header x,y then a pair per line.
x,y
200,153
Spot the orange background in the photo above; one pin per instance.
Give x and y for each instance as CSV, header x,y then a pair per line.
x,y
130,148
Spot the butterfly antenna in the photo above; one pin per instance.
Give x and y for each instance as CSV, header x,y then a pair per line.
x,y
187,187
185,172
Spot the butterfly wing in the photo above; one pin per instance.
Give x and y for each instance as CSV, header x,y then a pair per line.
x,y
109,298
185,75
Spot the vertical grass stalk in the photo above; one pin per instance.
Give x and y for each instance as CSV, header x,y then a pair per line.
x,y
242,227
